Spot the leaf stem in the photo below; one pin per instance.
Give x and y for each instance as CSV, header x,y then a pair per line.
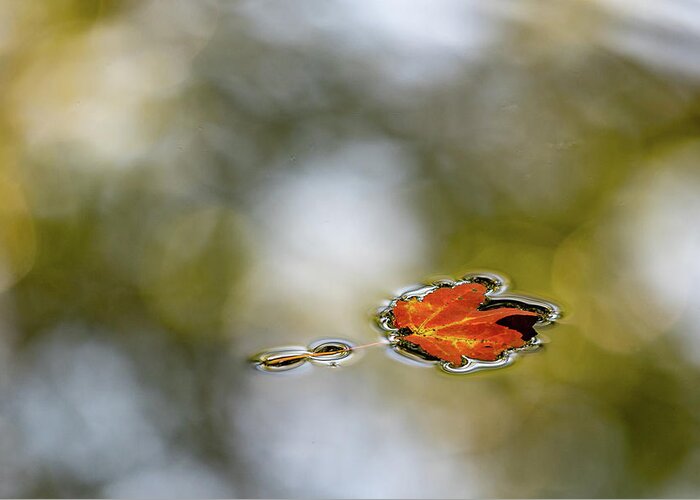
x,y
285,359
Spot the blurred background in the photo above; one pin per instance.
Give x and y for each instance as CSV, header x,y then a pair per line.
x,y
184,184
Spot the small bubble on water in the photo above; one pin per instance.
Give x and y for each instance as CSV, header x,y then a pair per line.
x,y
281,359
329,352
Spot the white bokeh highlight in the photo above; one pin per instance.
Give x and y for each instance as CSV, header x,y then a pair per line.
x,y
325,233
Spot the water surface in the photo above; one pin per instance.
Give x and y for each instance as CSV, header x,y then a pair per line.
x,y
183,185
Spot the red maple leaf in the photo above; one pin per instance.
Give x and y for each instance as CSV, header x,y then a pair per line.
x,y
448,324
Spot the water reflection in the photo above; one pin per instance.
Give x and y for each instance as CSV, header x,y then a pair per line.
x,y
81,410
184,184
326,230
426,44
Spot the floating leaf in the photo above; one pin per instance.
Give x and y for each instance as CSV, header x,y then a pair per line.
x,y
451,322
464,326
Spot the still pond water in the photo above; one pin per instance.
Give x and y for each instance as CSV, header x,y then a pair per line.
x,y
184,185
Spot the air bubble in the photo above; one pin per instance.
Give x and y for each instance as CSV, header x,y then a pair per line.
x,y
328,352
281,359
